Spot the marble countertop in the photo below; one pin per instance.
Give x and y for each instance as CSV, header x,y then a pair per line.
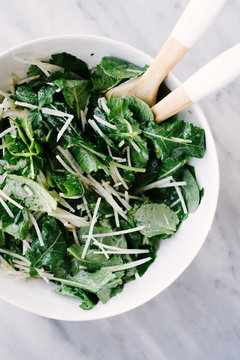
x,y
198,317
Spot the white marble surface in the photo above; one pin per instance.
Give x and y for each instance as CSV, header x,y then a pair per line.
x,y
198,317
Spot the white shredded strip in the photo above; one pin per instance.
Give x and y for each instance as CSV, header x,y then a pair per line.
x,y
127,266
27,80
130,196
68,156
181,199
70,197
101,247
87,208
124,251
103,192
64,128
81,207
75,237
171,184
126,196
129,156
24,104
35,224
118,159
115,193
8,210
117,184
32,62
121,143
116,233
66,217
175,203
134,145
46,276
120,178
83,120
26,246
11,128
164,183
135,71
3,177
42,275
116,219
181,140
96,127
104,122
17,256
94,220
155,184
64,203
19,262
103,103
47,111
109,151
62,162
29,191
11,200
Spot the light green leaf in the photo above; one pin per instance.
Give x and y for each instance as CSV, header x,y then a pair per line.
x,y
157,218
191,191
40,200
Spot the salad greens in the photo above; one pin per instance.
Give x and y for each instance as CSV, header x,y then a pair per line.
x,y
88,187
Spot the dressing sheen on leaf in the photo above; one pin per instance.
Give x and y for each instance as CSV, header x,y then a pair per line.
x,y
40,200
92,282
157,218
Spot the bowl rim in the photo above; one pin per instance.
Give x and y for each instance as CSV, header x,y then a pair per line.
x,y
214,155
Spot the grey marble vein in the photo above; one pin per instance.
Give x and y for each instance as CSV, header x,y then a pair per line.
x,y
198,317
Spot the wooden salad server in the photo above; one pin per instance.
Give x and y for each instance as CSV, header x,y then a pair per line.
x,y
219,72
196,18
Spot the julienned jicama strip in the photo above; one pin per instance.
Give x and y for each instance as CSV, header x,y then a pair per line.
x,y
88,187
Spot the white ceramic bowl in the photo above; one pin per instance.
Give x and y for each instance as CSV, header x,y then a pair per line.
x,y
174,255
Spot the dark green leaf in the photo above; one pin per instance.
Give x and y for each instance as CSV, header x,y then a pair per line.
x,y
76,93
87,300
71,63
87,160
69,184
45,95
142,112
111,71
176,140
24,94
54,248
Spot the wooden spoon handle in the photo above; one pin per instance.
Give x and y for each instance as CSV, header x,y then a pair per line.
x,y
219,72
194,21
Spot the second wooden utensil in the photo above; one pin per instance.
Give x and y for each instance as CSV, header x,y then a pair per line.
x,y
195,20
219,72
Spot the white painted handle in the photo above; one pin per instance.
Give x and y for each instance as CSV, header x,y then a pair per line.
x,y
196,19
219,72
